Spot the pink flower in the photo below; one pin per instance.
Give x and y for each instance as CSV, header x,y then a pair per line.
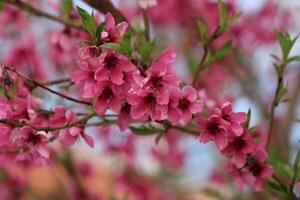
x,y
68,136
214,128
112,65
188,103
124,117
108,96
26,136
161,77
240,176
239,147
145,104
235,119
111,32
87,68
174,113
259,169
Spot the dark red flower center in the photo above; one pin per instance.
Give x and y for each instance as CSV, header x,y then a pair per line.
x,y
255,168
94,51
150,100
107,93
157,82
238,143
213,127
184,104
110,61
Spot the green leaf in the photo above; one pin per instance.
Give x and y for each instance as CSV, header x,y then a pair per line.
x,y
234,19
144,131
116,47
281,91
252,129
276,186
247,122
146,49
88,22
203,31
296,165
294,58
2,175
223,14
1,6
222,51
284,170
66,7
126,42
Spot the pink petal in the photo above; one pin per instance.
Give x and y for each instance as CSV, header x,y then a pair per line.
x,y
88,139
100,105
121,27
173,116
162,96
189,92
43,150
124,120
116,76
220,141
100,74
196,106
226,108
237,129
239,159
138,111
238,117
109,22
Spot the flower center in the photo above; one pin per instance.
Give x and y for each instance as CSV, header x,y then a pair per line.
x,y
110,61
213,128
184,104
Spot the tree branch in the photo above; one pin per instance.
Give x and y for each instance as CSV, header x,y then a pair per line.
x,y
26,7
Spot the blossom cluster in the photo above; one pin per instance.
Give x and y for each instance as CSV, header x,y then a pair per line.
x,y
26,126
248,159
114,82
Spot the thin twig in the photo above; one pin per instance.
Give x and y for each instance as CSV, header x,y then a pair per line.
x,y
46,88
146,25
26,7
47,128
58,81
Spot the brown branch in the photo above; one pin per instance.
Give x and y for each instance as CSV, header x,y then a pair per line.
x,y
47,128
58,81
28,8
36,83
146,25
201,66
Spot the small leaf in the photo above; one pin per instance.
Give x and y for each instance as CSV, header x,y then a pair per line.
x,y
281,91
66,7
276,186
247,122
116,47
223,14
252,129
88,22
144,131
2,175
203,31
126,42
146,50
284,170
234,19
294,58
296,165
223,50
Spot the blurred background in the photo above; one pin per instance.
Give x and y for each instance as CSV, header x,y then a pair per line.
x,y
124,166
